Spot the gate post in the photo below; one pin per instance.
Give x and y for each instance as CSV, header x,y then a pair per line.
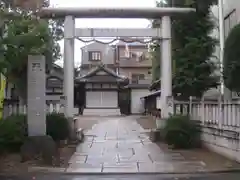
x,y
69,35
166,66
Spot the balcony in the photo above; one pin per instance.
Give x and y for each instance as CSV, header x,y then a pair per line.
x,y
141,81
131,63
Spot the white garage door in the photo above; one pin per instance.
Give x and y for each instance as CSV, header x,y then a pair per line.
x,y
93,99
101,99
137,105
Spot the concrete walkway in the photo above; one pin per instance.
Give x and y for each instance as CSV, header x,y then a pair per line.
x,y
120,145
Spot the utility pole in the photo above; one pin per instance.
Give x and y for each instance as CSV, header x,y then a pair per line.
x,y
221,40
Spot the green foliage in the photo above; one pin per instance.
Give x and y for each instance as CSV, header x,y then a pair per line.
x,y
192,48
12,132
232,60
24,35
57,126
155,56
182,132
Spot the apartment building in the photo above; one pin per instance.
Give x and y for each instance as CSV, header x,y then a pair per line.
x,y
132,60
105,69
231,14
126,59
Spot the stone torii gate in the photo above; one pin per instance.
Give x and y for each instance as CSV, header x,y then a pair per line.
x,y
70,33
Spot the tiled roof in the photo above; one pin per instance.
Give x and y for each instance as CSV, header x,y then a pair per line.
x,y
99,68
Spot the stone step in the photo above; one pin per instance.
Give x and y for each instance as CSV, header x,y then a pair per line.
x,y
102,112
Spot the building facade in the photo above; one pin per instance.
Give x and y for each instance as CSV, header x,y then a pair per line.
x,y
231,14
54,86
133,61
108,69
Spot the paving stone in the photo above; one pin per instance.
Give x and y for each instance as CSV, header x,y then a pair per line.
x,y
163,167
99,139
120,167
97,151
125,147
78,159
144,158
189,166
89,169
126,154
88,138
120,170
158,157
102,159
85,166
104,145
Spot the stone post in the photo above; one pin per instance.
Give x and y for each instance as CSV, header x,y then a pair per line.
x,y
166,67
36,101
69,34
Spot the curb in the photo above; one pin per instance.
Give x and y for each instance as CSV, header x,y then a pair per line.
x,y
63,172
48,172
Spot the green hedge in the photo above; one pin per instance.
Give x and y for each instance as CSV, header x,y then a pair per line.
x,y
57,126
13,130
231,60
182,132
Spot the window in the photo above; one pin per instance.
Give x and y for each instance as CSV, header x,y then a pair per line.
x,y
14,93
94,56
54,82
137,77
149,71
229,22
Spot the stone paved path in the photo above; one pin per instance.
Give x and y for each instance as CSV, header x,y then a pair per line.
x,y
120,145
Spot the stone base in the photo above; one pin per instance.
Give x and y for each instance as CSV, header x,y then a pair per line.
x,y
101,112
160,123
155,135
80,135
72,129
43,146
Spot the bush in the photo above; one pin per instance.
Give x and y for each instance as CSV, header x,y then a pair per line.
x,y
231,61
57,126
13,131
182,132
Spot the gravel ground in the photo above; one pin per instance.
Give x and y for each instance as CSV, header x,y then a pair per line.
x,y
11,163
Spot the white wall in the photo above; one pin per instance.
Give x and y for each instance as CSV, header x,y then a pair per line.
x,y
107,53
222,142
137,105
228,7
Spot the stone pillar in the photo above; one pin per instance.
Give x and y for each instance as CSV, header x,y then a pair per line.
x,y
36,100
166,67
69,34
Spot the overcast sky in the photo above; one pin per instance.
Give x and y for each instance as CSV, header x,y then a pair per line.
x,y
103,23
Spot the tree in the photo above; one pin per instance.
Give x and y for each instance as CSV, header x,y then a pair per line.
x,y
231,60
155,49
155,56
192,48
25,35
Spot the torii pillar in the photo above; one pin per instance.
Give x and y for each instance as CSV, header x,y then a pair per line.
x,y
166,68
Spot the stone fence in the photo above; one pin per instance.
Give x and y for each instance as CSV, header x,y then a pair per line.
x,y
11,107
220,124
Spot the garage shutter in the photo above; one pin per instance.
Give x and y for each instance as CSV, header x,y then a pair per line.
x,y
110,99
93,99
101,99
